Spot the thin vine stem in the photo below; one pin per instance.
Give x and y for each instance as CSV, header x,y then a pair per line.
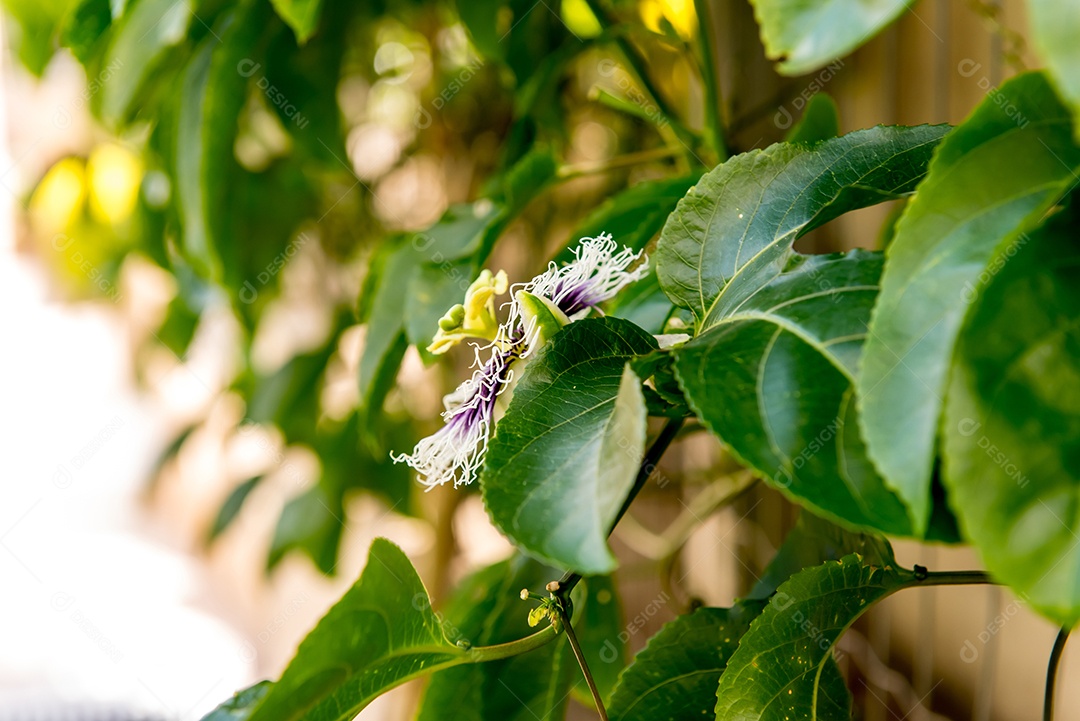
x,y
567,172
1052,672
480,654
580,656
949,578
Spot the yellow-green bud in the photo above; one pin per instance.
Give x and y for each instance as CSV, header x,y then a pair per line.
x,y
453,318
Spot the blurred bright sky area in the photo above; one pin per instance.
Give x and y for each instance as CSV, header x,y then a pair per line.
x,y
98,619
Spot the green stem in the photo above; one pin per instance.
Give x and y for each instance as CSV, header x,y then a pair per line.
x,y
1052,672
948,578
567,172
714,130
648,465
638,64
580,656
479,654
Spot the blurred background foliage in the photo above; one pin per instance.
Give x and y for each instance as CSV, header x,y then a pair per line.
x,y
324,178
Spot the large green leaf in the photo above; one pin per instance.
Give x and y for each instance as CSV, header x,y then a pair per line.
x,y
380,634
784,668
733,231
993,178
566,453
804,36
1055,25
191,136
675,675
1012,423
775,380
140,43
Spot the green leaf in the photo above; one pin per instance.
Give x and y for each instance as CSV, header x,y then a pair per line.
x,y
804,36
566,453
523,39
814,541
191,136
312,523
299,81
242,703
36,26
481,17
380,634
169,453
231,507
774,380
643,303
784,667
178,328
1011,434
380,306
289,397
462,232
486,610
349,464
820,121
527,178
993,178
269,205
675,675
139,45
1055,25
301,15
432,291
734,230
213,93
86,24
